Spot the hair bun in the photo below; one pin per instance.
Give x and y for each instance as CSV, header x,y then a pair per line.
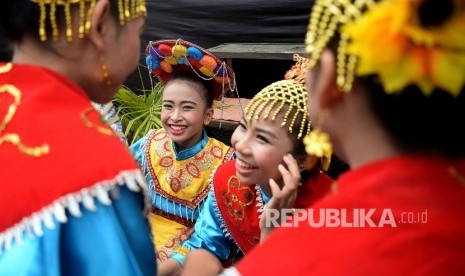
x,y
432,13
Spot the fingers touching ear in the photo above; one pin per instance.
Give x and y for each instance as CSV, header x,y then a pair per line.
x,y
99,24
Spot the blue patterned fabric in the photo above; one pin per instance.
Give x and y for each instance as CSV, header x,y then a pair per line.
x,y
209,234
107,241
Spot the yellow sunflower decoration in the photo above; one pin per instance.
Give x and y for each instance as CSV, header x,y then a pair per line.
x,y
387,38
390,42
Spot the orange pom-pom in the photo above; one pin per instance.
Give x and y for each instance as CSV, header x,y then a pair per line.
x,y
171,60
207,72
224,80
164,49
208,62
179,51
165,66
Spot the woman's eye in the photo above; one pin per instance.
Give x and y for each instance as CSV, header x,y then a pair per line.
x,y
242,126
262,138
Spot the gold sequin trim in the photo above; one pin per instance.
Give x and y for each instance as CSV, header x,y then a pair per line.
x,y
14,138
6,68
88,123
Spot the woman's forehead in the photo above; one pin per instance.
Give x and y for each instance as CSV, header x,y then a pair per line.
x,y
267,123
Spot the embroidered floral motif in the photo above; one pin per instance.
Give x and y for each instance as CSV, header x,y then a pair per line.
x,y
180,177
182,181
237,197
173,245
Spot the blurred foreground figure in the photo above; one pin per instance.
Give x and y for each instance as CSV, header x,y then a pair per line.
x,y
65,209
386,89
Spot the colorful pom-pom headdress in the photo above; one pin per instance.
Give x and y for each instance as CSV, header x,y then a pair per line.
x,y
166,58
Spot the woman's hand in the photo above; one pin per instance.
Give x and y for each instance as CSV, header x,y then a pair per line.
x,y
282,198
201,262
169,267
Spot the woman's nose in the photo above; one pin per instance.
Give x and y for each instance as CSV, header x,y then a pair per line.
x,y
242,145
176,114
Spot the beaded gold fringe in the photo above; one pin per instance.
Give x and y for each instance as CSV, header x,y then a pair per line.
x,y
128,10
273,99
72,205
325,19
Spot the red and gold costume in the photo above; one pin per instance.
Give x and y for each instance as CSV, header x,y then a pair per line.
x,y
241,204
54,168
230,218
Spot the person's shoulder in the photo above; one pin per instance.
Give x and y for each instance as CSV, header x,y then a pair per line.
x,y
227,150
217,141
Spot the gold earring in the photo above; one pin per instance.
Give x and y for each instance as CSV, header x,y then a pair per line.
x,y
317,144
106,76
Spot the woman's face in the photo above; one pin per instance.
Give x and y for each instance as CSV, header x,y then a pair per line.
x,y
260,147
184,112
121,55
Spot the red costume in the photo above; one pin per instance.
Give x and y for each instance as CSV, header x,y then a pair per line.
x,y
57,184
240,204
417,225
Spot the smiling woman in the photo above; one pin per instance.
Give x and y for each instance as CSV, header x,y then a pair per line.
x,y
179,158
388,77
271,164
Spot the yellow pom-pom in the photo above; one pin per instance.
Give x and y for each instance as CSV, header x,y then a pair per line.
x,y
179,51
207,72
171,60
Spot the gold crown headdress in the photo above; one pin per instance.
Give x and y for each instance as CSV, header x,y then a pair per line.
x,y
388,39
128,10
290,92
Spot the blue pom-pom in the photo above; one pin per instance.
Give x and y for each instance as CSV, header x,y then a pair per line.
x,y
195,53
151,62
183,60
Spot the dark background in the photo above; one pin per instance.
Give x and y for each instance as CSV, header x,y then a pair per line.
x,y
210,23
5,52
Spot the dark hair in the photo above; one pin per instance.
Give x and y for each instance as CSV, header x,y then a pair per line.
x,y
419,123
19,18
206,87
299,147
